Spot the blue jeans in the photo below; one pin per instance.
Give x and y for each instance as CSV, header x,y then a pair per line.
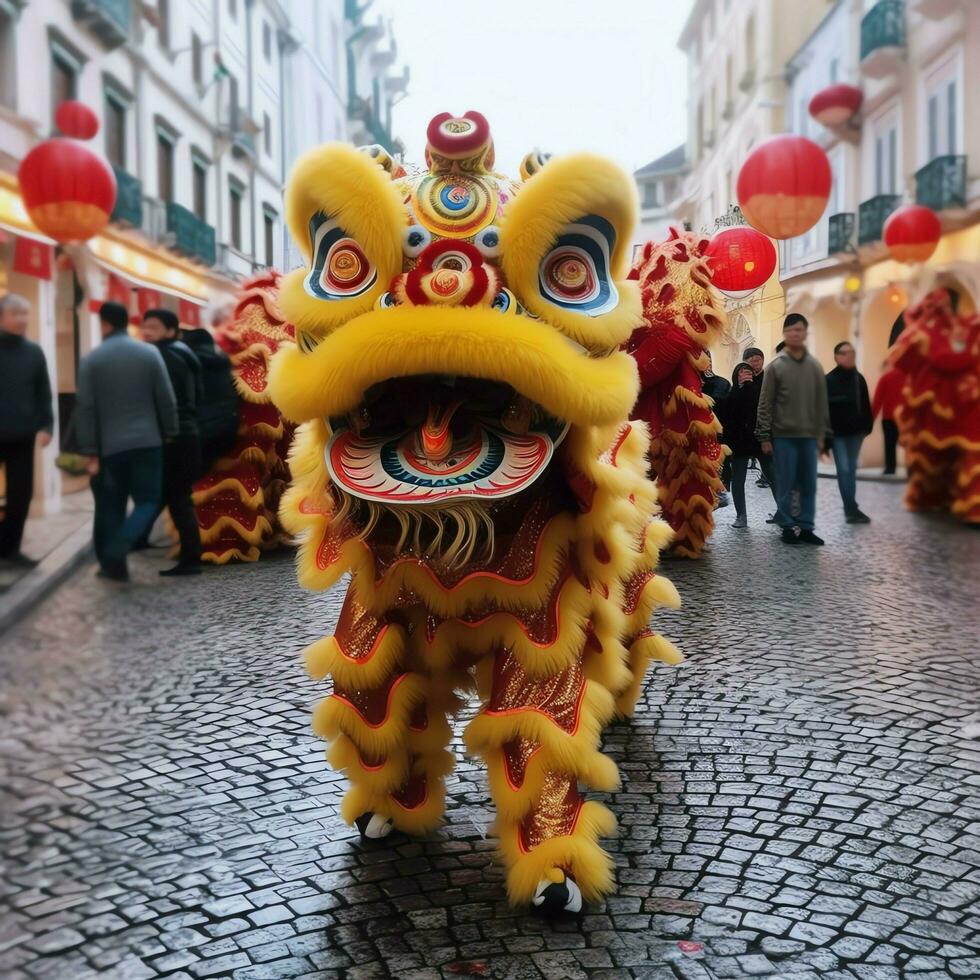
x,y
846,450
136,474
796,467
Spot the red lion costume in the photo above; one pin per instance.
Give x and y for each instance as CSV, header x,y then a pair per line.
x,y
683,319
939,417
237,502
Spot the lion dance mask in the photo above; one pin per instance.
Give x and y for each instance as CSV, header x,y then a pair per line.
x,y
465,454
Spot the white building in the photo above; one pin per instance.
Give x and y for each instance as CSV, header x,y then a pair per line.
x,y
203,106
916,139
736,58
659,183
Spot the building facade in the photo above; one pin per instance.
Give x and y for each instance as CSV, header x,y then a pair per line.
x,y
916,139
736,57
659,183
203,106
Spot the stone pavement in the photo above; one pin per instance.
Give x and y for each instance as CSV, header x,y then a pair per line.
x,y
799,800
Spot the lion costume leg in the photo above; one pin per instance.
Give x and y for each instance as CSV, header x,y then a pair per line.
x,y
966,492
539,737
930,478
386,724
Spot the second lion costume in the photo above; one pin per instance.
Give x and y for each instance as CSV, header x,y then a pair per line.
x,y
465,454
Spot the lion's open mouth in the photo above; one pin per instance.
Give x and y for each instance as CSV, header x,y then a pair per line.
x,y
438,439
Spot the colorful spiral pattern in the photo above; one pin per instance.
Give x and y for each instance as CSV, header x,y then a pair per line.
x,y
340,268
575,274
455,205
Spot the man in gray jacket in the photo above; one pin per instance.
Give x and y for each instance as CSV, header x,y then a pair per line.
x,y
792,423
125,410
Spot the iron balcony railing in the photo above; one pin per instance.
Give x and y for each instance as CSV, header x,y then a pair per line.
x,y
872,214
129,199
941,183
840,232
883,26
192,236
108,19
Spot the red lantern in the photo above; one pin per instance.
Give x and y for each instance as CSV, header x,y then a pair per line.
x,y
68,191
836,104
77,120
784,185
912,233
742,260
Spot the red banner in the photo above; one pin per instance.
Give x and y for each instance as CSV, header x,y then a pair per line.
x,y
189,314
33,258
147,299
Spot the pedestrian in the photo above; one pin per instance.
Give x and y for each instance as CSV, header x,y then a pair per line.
x,y
888,396
718,389
182,457
217,413
125,412
792,424
740,416
26,419
756,360
850,423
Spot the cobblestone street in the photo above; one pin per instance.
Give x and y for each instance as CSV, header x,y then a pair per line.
x,y
800,799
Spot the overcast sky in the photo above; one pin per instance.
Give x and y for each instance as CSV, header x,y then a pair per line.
x,y
557,75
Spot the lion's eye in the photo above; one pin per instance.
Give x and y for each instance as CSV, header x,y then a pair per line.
x,y
340,268
488,241
575,273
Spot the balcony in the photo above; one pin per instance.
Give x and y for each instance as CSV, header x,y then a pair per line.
x,y
129,199
840,231
872,214
883,38
235,263
191,235
109,20
941,183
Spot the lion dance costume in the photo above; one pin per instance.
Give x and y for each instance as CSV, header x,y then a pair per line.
x,y
939,416
683,318
237,501
466,455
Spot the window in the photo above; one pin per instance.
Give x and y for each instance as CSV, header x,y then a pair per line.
x,y
269,227
941,115
233,8
266,41
64,81
235,195
729,83
651,194
750,43
886,156
267,133
199,179
233,102
834,70
163,21
165,166
197,60
8,63
115,129
319,118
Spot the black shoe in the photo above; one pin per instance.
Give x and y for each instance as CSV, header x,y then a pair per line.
x,y
887,472
789,536
858,517
113,573
555,897
771,519
19,560
808,537
181,569
762,482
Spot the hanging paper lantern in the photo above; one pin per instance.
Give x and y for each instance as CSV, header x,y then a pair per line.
x,y
77,120
836,104
912,233
742,260
784,185
69,192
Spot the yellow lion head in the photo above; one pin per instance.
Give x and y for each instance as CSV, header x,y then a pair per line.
x,y
453,324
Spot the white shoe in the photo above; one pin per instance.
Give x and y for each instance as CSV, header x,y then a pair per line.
x,y
740,522
553,897
373,826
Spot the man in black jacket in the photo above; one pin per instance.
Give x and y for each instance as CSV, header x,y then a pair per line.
x,y
25,417
217,412
182,456
850,421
